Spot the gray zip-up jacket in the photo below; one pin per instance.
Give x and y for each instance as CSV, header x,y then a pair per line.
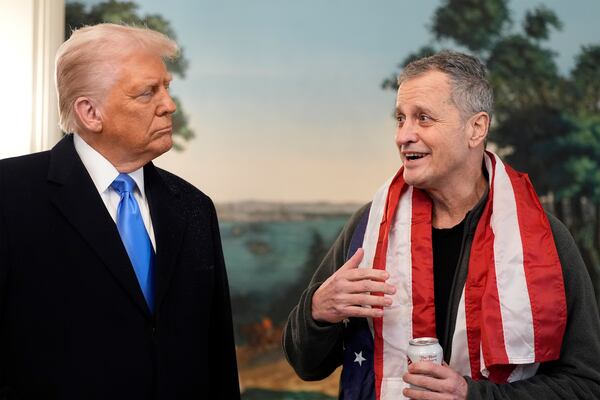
x,y
315,349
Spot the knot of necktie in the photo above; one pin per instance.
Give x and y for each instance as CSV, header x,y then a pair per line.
x,y
123,184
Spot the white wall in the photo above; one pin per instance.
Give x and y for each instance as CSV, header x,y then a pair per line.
x,y
30,33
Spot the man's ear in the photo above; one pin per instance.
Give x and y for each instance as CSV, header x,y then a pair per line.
x,y
88,114
479,125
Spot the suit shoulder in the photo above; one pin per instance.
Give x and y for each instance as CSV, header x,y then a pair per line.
x,y
183,187
28,170
25,163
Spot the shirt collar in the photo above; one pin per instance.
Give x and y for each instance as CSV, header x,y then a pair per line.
x,y
102,172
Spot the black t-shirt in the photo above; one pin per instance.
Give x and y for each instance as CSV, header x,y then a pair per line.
x,y
446,251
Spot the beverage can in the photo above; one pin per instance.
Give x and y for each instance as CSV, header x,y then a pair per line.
x,y
424,349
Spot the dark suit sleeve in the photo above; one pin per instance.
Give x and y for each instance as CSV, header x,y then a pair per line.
x,y
576,375
224,377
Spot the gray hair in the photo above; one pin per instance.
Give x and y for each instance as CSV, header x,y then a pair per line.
x,y
87,64
470,89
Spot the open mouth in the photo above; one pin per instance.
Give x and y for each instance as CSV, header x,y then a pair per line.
x,y
414,156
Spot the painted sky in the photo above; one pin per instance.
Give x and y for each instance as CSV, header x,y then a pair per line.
x,y
285,97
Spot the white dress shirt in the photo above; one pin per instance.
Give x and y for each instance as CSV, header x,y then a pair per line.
x,y
103,173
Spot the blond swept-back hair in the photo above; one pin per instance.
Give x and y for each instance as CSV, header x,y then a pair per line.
x,y
87,64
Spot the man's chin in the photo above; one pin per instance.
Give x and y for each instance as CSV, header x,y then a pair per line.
x,y
413,180
409,177
162,145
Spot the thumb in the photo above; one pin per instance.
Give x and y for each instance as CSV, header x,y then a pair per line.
x,y
354,260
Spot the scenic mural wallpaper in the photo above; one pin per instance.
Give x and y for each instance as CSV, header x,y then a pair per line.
x,y
285,120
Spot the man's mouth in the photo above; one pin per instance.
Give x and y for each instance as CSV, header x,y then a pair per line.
x,y
414,156
166,129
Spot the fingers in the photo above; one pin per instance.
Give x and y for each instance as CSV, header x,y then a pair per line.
x,y
438,380
360,305
365,286
352,292
336,311
350,270
368,300
334,306
366,273
353,261
422,381
416,394
431,369
363,312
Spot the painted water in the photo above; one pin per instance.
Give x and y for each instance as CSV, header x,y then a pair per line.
x,y
267,259
263,255
269,264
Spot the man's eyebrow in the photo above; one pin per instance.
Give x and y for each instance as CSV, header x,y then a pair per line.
x,y
150,82
423,109
419,108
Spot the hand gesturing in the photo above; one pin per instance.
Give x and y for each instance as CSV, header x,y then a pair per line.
x,y
349,291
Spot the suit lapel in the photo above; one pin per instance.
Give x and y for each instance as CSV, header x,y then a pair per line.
x,y
78,200
169,227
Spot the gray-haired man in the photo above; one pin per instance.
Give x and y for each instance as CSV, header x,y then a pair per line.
x,y
455,246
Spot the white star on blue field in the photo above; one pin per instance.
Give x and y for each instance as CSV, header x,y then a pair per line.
x,y
359,358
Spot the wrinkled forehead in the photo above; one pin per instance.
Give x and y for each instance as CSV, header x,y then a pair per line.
x,y
430,88
141,66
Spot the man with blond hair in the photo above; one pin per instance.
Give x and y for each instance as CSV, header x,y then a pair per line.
x,y
112,279
455,247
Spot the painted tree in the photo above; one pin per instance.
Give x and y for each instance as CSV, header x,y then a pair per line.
x,y
545,123
126,12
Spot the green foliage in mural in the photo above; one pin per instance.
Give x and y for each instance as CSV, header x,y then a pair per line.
x,y
126,12
474,24
545,123
537,23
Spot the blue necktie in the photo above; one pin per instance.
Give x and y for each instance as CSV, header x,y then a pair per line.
x,y
135,237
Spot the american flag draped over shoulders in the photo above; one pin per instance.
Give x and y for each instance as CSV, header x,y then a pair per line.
x,y
507,273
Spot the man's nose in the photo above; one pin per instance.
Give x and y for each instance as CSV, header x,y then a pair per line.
x,y
406,132
167,104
